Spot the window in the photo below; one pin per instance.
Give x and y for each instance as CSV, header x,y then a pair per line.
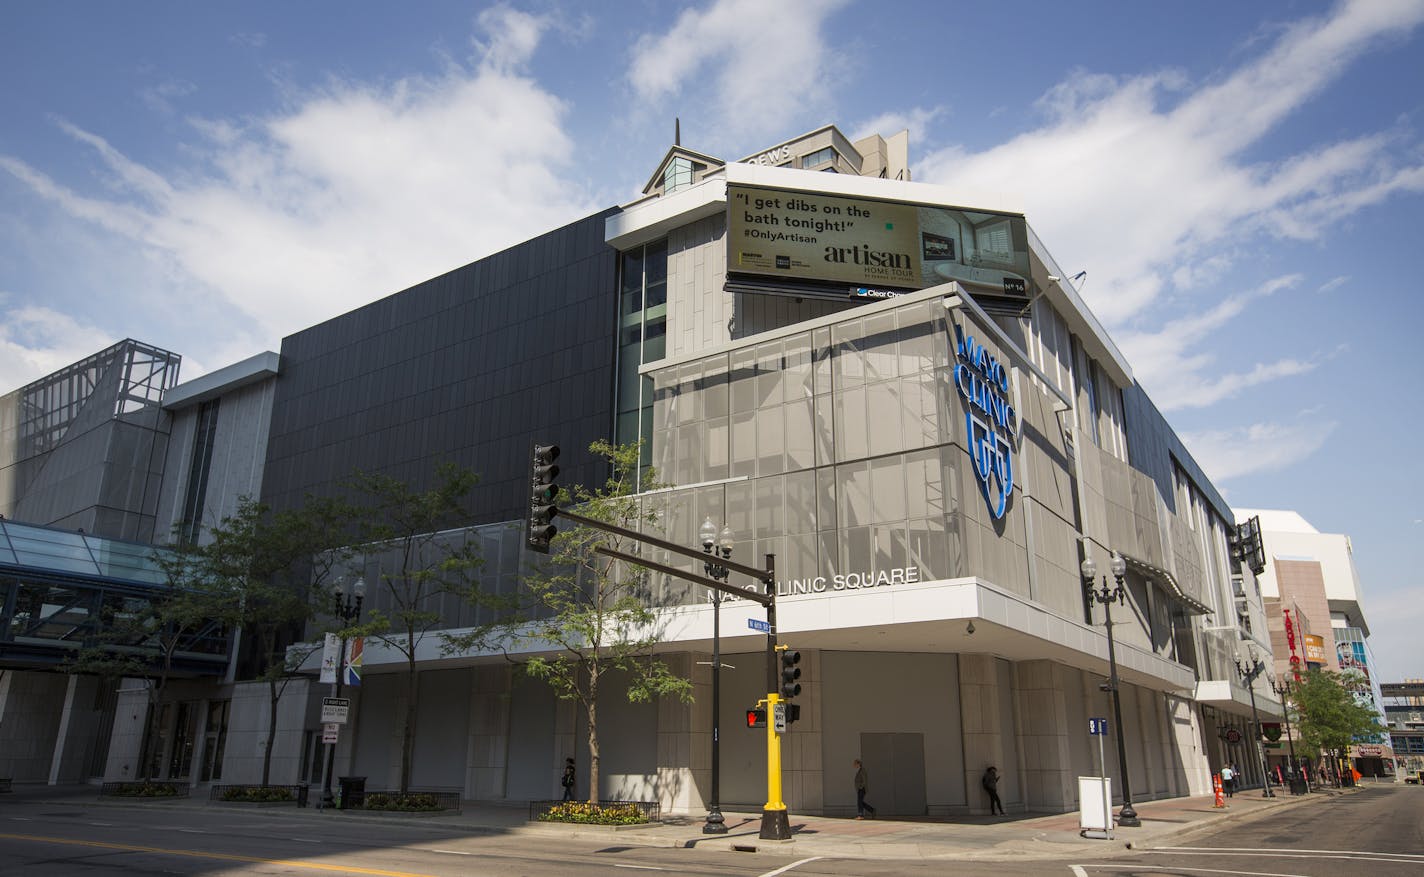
x,y
677,176
819,157
642,338
204,435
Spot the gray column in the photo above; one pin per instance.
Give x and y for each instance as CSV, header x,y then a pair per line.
x,y
62,733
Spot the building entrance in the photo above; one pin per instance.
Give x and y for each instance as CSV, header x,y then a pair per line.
x,y
896,763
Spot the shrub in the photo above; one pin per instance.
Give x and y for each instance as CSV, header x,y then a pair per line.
x,y
257,794
146,790
415,802
594,814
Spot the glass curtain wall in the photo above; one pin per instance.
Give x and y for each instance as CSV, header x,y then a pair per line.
x,y
642,338
836,448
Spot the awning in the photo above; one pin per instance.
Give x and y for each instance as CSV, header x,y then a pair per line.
x,y
1170,585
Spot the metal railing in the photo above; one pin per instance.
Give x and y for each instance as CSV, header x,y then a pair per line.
x,y
156,790
256,793
447,799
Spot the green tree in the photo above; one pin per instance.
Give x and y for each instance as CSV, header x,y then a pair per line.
x,y
274,564
138,637
592,611
1328,715
422,558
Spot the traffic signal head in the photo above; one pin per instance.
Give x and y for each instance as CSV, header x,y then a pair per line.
x,y
756,718
542,495
790,673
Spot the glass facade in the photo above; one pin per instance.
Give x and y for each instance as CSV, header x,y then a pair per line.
x,y
191,525
834,449
642,338
61,591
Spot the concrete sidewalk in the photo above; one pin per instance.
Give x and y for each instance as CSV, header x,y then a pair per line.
x,y
1012,838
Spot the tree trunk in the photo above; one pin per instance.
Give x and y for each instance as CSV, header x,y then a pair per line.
x,y
274,695
408,739
593,794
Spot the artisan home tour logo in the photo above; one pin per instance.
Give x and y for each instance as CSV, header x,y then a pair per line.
x,y
991,424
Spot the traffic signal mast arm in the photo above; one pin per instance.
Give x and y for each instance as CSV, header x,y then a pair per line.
x,y
774,822
761,575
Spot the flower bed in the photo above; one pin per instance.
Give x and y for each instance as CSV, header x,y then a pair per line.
x,y
601,813
412,802
143,790
257,794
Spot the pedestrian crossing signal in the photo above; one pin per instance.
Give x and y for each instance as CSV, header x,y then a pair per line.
x,y
756,718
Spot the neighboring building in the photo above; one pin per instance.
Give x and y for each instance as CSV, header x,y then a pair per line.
x,y
1404,709
84,448
887,385
1314,573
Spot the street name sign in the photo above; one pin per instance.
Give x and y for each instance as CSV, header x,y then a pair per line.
x,y
763,626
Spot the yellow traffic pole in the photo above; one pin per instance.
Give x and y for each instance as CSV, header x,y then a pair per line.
x,y
773,757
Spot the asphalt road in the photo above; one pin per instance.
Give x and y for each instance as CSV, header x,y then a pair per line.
x,y
1378,832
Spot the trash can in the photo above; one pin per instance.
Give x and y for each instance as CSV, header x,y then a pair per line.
x,y
303,794
1297,785
353,792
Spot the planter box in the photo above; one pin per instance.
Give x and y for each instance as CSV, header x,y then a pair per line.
x,y
541,811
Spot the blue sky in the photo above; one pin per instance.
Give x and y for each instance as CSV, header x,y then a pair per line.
x,y
1243,182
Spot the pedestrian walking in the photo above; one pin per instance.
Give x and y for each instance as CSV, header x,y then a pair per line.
x,y
1228,780
1235,774
991,785
568,779
862,783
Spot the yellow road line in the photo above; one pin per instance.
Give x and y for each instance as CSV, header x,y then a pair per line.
x,y
199,854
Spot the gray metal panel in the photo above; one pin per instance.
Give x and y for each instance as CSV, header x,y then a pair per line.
x,y
467,367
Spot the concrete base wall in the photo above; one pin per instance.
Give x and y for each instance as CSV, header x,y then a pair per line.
x,y
927,726
30,707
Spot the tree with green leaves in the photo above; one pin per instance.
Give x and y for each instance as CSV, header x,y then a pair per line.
x,y
275,564
423,555
591,612
138,637
1328,715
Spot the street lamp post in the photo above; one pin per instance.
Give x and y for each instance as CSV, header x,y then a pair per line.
x,y
1107,596
346,606
722,543
1283,691
1249,669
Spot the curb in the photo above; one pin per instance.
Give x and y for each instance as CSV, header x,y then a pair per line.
x,y
1212,823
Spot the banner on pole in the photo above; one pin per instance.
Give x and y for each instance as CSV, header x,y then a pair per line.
x,y
331,648
355,651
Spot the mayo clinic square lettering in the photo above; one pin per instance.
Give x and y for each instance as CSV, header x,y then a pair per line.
x,y
849,581
991,425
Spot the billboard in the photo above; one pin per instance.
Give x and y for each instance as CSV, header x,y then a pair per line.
x,y
1314,648
862,242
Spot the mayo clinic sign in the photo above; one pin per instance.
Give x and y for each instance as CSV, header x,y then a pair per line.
x,y
991,423
851,581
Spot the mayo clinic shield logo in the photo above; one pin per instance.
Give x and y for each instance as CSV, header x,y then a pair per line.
x,y
991,425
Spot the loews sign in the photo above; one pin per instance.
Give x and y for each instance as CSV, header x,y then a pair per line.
x,y
991,423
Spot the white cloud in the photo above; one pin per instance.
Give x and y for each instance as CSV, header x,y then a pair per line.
x,y
1334,283
916,119
354,192
1173,362
1260,447
1145,179
36,341
766,63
